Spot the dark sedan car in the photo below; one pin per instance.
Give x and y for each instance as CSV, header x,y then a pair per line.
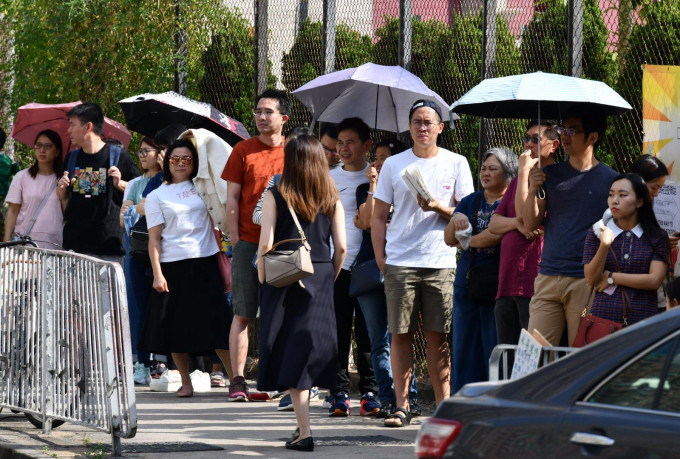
x,y
617,398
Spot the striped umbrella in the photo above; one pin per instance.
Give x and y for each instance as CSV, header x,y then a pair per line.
x,y
538,95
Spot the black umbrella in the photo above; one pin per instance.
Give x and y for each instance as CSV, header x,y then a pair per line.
x,y
148,113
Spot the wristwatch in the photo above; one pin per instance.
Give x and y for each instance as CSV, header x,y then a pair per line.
x,y
610,279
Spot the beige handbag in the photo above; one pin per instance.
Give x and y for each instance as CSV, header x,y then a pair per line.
x,y
285,267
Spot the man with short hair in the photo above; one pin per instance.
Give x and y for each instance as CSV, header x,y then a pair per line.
x,y
418,266
91,189
328,134
354,143
568,198
520,248
251,164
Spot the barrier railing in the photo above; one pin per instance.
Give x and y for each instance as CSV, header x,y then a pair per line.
x,y
65,353
502,356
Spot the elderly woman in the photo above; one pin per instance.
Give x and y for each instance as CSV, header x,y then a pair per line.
x,y
474,324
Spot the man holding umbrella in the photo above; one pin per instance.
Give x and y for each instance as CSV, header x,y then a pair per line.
x,y
91,189
418,266
568,198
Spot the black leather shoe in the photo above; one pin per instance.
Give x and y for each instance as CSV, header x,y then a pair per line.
x,y
306,444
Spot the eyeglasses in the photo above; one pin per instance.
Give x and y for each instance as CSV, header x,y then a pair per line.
x,y
265,113
426,124
569,131
181,160
144,152
533,139
46,146
332,151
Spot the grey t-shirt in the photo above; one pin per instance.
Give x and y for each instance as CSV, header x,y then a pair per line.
x,y
575,201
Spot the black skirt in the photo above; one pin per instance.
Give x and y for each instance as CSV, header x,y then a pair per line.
x,y
298,335
193,316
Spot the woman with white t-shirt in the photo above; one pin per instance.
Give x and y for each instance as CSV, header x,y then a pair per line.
x,y
187,311
34,207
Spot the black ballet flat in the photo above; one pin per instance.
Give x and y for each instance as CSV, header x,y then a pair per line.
x,y
306,444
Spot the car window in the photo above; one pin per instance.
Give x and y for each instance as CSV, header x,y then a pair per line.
x,y
651,382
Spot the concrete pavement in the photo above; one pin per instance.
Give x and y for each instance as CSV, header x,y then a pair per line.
x,y
213,428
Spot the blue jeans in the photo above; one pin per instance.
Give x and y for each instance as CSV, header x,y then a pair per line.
x,y
139,283
474,337
374,308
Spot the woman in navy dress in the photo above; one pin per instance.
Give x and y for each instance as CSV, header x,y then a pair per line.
x,y
298,344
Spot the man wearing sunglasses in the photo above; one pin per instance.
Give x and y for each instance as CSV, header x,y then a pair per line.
x,y
516,280
250,166
567,198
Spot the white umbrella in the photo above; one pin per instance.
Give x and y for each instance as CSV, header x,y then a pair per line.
x,y
538,95
380,95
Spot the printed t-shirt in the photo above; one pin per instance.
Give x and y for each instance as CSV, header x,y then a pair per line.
x,y
575,201
251,164
29,193
347,182
92,216
416,238
187,232
519,256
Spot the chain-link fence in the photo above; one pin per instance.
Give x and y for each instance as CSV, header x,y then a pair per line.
x,y
226,51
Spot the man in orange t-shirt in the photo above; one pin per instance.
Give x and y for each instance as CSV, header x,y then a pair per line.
x,y
250,166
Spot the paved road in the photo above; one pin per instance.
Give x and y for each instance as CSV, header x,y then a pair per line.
x,y
167,426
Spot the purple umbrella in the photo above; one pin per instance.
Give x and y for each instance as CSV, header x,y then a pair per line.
x,y
380,95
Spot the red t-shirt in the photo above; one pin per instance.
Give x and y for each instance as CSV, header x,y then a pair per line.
x,y
519,257
251,164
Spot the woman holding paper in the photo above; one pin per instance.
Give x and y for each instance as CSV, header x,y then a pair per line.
x,y
628,264
474,324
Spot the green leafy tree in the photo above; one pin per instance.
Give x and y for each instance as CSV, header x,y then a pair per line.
x,y
656,42
304,60
544,42
228,71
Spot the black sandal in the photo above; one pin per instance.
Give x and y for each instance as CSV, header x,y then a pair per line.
x,y
399,413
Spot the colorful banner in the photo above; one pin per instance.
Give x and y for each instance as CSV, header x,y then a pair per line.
x,y
661,114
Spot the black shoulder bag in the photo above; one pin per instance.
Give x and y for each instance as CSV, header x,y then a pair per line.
x,y
481,281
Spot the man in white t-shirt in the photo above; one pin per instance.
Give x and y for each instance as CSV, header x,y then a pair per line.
x,y
418,266
354,142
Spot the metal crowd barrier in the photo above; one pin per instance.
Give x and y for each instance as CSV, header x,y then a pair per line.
x,y
502,356
65,352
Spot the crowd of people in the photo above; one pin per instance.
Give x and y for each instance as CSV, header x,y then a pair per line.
x,y
536,243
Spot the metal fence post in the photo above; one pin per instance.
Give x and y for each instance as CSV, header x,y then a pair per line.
x,y
328,35
261,44
575,63
405,33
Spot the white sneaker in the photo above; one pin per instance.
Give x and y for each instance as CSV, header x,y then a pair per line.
x,y
327,402
200,381
170,381
142,374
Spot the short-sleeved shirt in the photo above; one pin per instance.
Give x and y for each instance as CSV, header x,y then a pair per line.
x,y
187,232
29,193
415,238
135,187
635,252
484,255
575,200
347,183
91,218
251,164
519,256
